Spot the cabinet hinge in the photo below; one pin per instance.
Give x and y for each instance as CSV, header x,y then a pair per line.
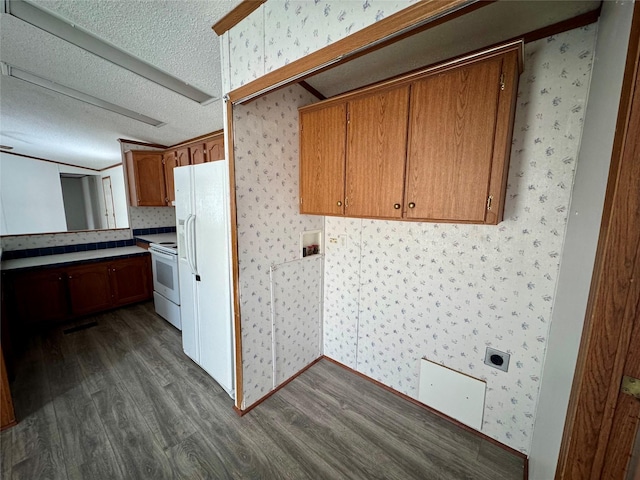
x,y
502,81
489,201
300,200
348,117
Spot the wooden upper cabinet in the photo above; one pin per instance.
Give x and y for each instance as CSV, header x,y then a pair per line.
x,y
322,159
451,138
170,162
182,157
433,145
214,149
376,152
145,174
197,154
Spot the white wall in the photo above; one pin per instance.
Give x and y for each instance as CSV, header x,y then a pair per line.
x,y
582,237
31,196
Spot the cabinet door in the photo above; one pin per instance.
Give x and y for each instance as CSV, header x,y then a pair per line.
x,y
182,157
451,137
89,288
197,154
169,161
376,153
322,160
39,296
214,149
131,280
146,179
7,416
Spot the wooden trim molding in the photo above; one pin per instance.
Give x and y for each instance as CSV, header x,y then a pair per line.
x,y
312,90
413,16
235,265
142,144
278,388
576,22
52,161
199,138
426,407
235,16
608,323
110,166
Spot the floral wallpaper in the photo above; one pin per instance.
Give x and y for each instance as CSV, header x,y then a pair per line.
x,y
23,242
152,217
297,322
400,291
269,227
280,32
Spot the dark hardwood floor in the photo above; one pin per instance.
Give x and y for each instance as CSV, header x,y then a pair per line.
x,y
120,400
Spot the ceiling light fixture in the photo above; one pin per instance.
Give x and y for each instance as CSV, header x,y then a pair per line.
x,y
71,33
5,147
83,97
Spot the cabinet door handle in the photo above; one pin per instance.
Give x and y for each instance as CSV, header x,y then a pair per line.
x,y
412,205
70,277
396,206
339,203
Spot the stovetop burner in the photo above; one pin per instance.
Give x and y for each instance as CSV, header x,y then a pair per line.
x,y
166,247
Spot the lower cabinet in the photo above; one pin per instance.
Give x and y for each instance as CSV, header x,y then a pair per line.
x,y
55,294
39,295
89,288
131,280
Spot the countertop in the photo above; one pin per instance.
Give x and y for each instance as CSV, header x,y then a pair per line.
x,y
71,257
158,237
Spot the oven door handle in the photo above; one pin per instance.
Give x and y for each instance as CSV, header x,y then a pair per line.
x,y
190,232
166,256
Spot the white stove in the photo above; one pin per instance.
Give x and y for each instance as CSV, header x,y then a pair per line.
x,y
166,287
165,247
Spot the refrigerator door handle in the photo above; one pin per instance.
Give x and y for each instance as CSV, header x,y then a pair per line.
x,y
189,241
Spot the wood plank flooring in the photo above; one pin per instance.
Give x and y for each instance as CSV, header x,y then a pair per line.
x,y
120,400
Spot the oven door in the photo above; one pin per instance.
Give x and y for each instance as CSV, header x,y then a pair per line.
x,y
165,275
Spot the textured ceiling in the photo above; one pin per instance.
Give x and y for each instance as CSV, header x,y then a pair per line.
x,y
174,36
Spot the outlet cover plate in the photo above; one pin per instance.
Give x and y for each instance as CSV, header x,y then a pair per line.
x,y
488,360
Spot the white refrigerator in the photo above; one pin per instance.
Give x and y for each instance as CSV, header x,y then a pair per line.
x,y
204,252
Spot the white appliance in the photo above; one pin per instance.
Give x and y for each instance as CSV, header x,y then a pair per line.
x,y
203,227
166,286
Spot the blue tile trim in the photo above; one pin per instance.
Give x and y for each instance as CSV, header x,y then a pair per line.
x,y
152,231
83,247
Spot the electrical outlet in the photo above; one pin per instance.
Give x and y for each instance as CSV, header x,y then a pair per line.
x,y
340,240
497,359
